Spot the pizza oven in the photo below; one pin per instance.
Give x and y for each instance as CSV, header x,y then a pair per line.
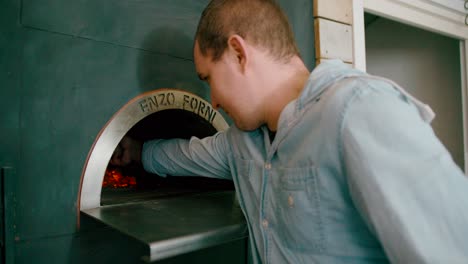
x,y
170,215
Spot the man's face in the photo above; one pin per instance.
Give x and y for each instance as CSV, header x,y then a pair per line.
x,y
229,86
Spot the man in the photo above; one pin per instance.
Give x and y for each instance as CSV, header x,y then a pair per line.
x,y
333,166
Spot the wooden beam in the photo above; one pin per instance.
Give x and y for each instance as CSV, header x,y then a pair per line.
x,y
333,40
421,14
337,10
464,87
359,40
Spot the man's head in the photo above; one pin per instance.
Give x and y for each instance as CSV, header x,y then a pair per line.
x,y
260,22
246,52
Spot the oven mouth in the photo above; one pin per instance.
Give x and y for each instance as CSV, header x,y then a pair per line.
x,y
206,211
133,184
163,113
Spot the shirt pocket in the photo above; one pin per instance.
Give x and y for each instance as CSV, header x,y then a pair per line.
x,y
299,209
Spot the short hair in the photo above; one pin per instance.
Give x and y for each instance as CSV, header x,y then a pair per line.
x,y
261,22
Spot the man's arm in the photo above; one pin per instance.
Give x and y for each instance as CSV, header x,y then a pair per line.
x,y
195,157
403,181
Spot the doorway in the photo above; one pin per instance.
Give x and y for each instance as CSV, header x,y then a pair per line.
x,y
427,65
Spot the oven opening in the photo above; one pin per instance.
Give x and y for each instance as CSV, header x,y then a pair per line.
x,y
133,183
147,207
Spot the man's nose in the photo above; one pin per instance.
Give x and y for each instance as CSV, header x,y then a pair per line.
x,y
214,103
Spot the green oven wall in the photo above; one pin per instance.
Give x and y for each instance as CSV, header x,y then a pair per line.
x,y
65,68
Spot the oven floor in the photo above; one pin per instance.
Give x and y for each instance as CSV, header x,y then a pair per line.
x,y
159,187
126,195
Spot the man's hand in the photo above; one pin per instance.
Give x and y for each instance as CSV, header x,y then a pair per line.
x,y
128,151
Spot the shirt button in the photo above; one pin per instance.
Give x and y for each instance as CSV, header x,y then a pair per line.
x,y
290,201
268,166
265,223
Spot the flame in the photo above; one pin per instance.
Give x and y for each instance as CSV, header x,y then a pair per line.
x,y
114,178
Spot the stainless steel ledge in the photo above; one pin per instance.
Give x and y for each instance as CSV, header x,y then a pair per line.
x,y
174,226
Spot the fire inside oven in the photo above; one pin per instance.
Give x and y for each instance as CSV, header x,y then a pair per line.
x,y
132,183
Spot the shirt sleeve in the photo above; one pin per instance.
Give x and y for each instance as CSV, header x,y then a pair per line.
x,y
403,181
181,157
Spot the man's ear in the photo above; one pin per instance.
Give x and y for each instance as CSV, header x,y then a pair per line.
x,y
238,46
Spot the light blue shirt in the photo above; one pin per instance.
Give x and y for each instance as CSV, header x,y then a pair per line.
x,y
355,174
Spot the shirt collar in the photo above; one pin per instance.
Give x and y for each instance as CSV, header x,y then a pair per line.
x,y
332,71
324,75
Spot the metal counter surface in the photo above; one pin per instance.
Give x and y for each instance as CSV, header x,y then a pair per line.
x,y
177,225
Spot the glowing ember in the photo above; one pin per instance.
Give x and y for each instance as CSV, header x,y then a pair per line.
x,y
115,179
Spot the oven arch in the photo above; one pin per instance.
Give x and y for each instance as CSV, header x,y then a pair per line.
x,y
123,120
